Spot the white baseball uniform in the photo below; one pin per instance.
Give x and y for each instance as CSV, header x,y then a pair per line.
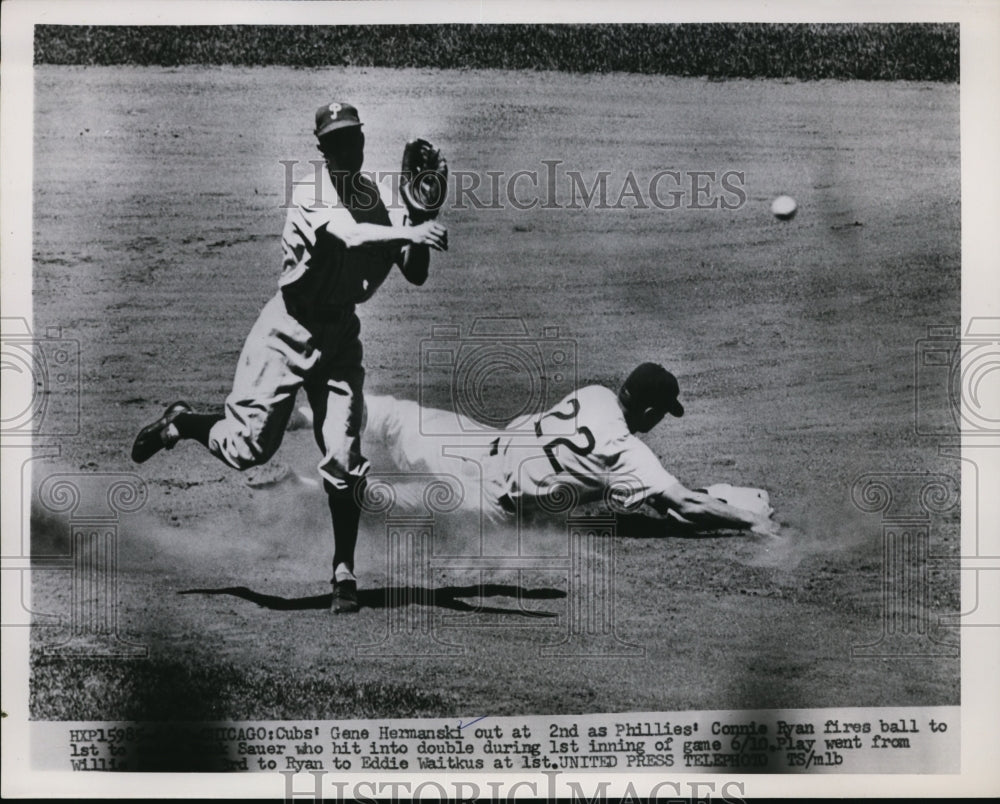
x,y
582,446
307,336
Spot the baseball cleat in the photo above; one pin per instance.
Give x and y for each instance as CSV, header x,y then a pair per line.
x,y
151,438
345,597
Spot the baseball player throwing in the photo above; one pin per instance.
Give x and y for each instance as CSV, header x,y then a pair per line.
x,y
342,236
585,446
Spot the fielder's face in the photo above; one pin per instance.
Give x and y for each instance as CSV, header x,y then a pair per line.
x,y
344,148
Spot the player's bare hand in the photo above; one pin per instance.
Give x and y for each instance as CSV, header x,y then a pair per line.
x,y
431,234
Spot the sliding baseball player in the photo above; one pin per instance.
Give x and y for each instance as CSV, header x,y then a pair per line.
x,y
584,449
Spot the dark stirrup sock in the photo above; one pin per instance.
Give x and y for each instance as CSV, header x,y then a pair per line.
x,y
196,425
346,514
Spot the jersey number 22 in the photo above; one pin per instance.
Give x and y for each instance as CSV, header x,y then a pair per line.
x,y
550,446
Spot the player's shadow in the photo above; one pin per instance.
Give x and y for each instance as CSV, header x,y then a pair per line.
x,y
445,597
640,526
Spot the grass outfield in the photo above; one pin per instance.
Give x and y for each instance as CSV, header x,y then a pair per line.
x,y
157,222
872,51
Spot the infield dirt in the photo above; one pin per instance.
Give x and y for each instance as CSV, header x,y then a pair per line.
x,y
157,212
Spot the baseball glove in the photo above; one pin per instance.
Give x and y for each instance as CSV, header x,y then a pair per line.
x,y
424,181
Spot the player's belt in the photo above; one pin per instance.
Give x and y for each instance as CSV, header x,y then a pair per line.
x,y
495,447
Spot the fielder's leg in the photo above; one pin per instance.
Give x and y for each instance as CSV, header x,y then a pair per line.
x,y
338,410
345,513
269,373
178,421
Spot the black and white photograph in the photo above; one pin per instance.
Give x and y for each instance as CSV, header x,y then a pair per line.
x,y
398,395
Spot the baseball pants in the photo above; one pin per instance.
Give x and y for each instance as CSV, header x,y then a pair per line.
x,y
458,449
281,355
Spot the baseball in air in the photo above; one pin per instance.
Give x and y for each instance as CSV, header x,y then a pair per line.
x,y
784,207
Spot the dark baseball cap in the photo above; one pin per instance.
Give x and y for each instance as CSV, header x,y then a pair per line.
x,y
652,386
333,116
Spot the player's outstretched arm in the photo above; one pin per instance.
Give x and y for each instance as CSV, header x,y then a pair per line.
x,y
357,235
707,511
